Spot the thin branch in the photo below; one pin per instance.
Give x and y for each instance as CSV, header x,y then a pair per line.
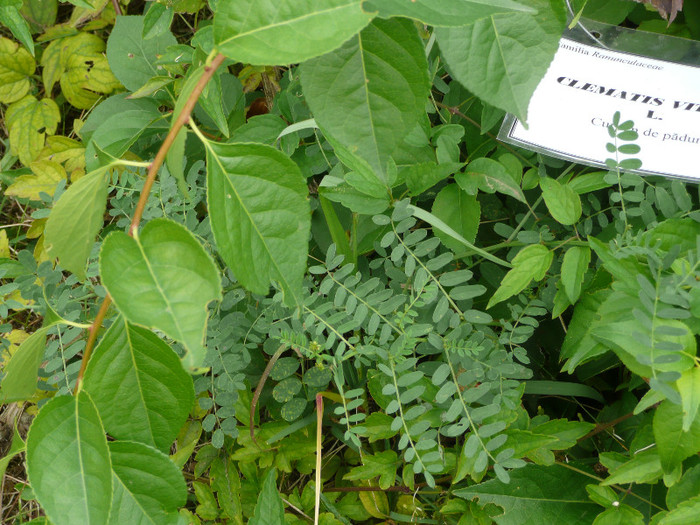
x,y
176,126
117,7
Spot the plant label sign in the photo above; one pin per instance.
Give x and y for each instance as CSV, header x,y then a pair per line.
x,y
585,85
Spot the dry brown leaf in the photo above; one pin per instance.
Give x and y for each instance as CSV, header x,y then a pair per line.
x,y
667,8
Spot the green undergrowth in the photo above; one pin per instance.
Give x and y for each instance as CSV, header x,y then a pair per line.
x,y
266,262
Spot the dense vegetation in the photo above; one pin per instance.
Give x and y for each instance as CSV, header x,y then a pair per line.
x,y
266,262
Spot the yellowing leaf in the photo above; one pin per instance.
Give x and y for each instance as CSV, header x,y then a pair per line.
x,y
51,64
46,175
30,121
66,151
36,230
16,66
4,245
86,73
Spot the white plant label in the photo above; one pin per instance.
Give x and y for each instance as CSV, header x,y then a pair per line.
x,y
584,87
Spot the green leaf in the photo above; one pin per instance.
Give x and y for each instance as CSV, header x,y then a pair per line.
x,y
686,488
490,176
162,279
372,91
537,494
515,49
567,432
532,262
148,487
620,515
75,220
157,20
285,31
11,17
226,482
16,68
445,12
68,462
382,464
688,385
562,388
643,467
424,175
131,57
260,215
20,372
673,443
460,211
562,202
29,121
573,269
269,509
16,446
685,513
139,386
378,426
604,496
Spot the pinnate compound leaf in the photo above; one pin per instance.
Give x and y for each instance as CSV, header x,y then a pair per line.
x,y
20,379
260,215
371,92
562,202
75,220
532,262
29,121
139,386
68,462
16,67
162,279
537,494
269,509
148,487
131,57
445,12
674,444
515,49
281,32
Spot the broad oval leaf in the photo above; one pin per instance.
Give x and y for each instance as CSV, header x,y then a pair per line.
x,y
513,51
75,220
269,508
162,279
674,444
445,12
29,121
562,202
68,462
16,68
260,215
489,176
372,91
148,486
280,32
139,386
131,57
573,270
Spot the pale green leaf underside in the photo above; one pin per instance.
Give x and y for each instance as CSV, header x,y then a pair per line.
x,y
148,486
139,386
532,262
75,220
562,202
280,32
445,12
260,215
164,280
68,462
371,92
512,53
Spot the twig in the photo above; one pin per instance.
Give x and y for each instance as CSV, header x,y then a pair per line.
x,y
117,7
